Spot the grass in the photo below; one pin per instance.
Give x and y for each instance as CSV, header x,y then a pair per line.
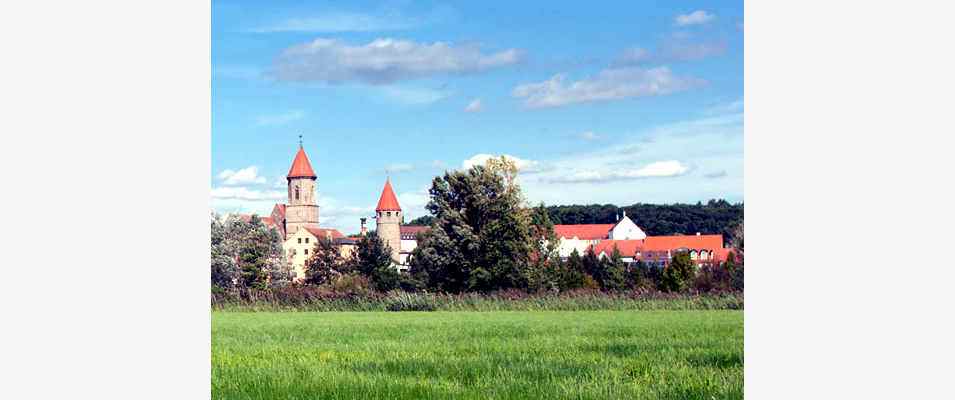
x,y
478,355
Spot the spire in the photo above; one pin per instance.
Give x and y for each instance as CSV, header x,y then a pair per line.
x,y
388,201
301,168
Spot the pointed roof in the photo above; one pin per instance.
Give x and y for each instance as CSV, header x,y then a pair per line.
x,y
301,168
388,201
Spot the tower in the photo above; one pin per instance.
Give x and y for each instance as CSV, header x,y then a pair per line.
x,y
302,209
388,219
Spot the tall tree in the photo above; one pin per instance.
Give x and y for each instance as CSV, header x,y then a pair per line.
x,y
480,236
246,254
372,259
325,264
612,272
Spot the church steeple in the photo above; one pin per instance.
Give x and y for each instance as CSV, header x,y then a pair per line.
x,y
302,209
301,167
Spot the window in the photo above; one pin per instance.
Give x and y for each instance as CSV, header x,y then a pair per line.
x,y
388,213
306,240
306,252
296,193
299,240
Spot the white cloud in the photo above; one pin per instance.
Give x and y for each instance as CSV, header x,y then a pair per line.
x,y
247,175
279,119
682,50
413,96
384,61
399,167
523,166
589,136
474,106
694,18
246,194
609,84
659,169
342,22
633,56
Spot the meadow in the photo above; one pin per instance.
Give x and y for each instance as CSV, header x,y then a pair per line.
x,y
608,354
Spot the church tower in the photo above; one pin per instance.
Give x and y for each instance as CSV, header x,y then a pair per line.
x,y
302,209
388,218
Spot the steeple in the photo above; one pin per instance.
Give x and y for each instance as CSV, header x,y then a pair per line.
x,y
388,201
301,168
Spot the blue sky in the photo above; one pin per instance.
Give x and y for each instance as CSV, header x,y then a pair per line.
x,y
599,103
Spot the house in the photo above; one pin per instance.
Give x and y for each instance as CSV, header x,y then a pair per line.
x,y
659,250
581,236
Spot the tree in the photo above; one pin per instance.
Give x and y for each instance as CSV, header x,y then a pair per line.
x,y
480,236
544,269
325,264
246,254
572,272
373,259
612,272
590,263
678,273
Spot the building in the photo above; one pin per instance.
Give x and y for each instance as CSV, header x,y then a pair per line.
x,y
388,219
581,236
659,250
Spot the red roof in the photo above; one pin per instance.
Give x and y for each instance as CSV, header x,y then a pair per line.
x,y
279,211
324,232
628,248
583,231
301,168
708,242
388,201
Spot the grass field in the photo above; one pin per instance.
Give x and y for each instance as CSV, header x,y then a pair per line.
x,y
478,355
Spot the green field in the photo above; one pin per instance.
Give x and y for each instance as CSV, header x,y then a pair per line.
x,y
478,355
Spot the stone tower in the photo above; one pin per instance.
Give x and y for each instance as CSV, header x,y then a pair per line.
x,y
388,219
302,209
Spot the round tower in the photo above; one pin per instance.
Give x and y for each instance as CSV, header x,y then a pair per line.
x,y
388,220
302,208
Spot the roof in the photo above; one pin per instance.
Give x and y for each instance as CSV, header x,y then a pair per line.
x,y
708,242
628,248
662,243
411,231
584,231
324,232
388,201
301,168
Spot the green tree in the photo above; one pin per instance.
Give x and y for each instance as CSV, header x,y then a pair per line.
x,y
679,273
480,238
325,264
572,272
246,254
373,259
544,270
612,272
590,263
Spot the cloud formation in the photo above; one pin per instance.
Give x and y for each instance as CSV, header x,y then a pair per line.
x,y
589,136
697,17
473,106
246,194
716,174
247,175
659,169
609,84
384,61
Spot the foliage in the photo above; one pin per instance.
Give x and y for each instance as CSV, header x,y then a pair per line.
x,y
246,254
373,259
611,273
544,271
326,263
679,273
424,220
351,293
480,238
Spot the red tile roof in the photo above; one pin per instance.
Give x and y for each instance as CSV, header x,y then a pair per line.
x,y
322,233
388,201
628,248
583,231
708,242
301,168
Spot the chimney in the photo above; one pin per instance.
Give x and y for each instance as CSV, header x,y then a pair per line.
x,y
364,229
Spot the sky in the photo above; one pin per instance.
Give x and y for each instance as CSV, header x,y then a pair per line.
x,y
619,103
